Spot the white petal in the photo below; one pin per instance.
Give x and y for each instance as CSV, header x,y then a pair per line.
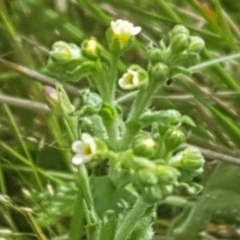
x,y
79,159
78,146
136,30
88,140
123,27
124,82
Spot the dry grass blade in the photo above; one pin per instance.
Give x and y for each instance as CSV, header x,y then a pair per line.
x,y
38,76
23,103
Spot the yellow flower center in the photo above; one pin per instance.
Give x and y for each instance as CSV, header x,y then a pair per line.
x,y
87,150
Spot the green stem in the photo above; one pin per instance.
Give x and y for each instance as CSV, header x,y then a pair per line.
x,y
77,223
127,97
111,124
85,194
113,76
141,102
112,132
131,220
83,181
84,207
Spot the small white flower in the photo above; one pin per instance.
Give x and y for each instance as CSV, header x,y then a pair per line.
x,y
84,149
64,51
74,51
130,80
124,29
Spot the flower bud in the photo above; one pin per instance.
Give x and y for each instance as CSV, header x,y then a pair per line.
x,y
134,78
153,194
196,44
52,98
191,159
167,174
179,29
144,145
147,177
173,138
155,55
159,71
64,52
65,103
179,43
91,48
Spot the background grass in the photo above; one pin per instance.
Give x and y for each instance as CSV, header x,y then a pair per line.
x,y
34,153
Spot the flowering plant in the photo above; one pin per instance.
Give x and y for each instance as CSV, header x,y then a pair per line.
x,y
138,147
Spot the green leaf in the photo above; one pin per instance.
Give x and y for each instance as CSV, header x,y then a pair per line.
x,y
106,196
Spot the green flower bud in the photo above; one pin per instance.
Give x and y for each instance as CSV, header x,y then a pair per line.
x,y
64,52
191,159
167,174
179,29
52,98
91,48
147,177
134,78
173,138
65,103
153,194
196,44
159,71
143,163
155,55
125,160
179,43
144,145
157,192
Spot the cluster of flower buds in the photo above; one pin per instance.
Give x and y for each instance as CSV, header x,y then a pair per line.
x,y
182,52
69,62
154,167
154,179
